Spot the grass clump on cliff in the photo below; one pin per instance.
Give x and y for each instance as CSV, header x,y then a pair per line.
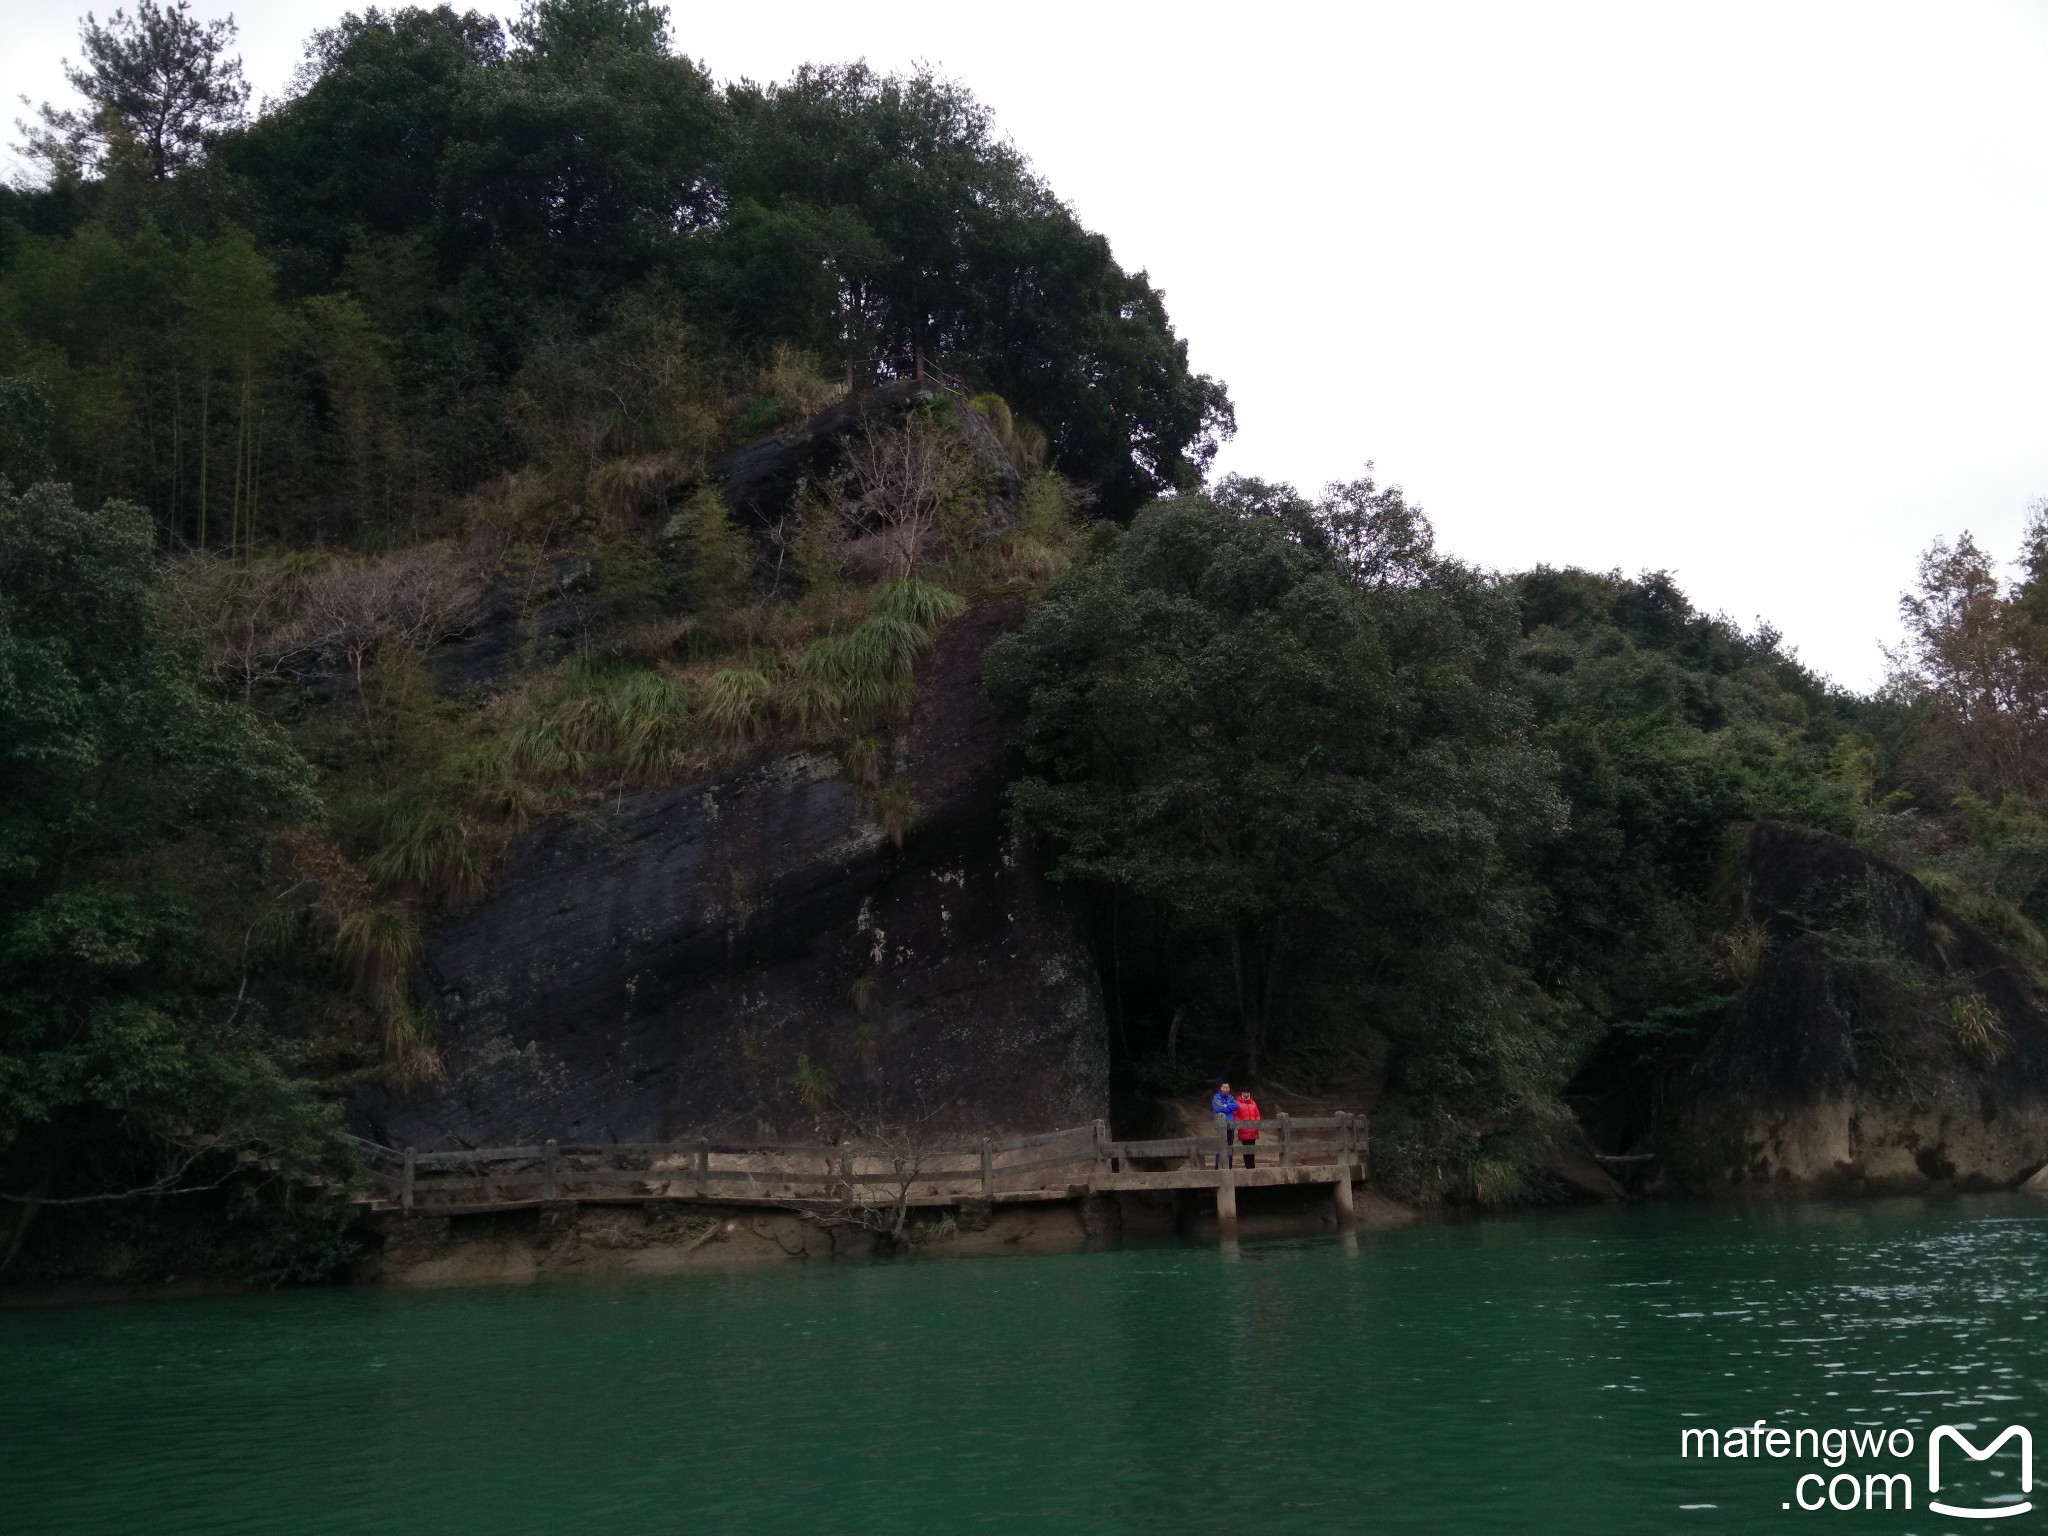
x,y
615,724
862,677
428,849
736,704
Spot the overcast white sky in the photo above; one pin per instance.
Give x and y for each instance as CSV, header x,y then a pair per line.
x,y
1749,292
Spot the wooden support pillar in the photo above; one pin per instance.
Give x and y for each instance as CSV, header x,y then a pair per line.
x,y
549,1166
988,1169
1101,1147
405,1186
1286,1140
1226,1202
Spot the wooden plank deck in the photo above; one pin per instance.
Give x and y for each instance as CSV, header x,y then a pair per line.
x,y
1051,1165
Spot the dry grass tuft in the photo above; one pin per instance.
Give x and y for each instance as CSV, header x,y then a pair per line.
x,y
736,703
896,808
379,944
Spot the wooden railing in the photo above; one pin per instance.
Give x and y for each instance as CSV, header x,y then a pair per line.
x,y
987,1169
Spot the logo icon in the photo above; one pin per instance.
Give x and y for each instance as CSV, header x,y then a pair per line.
x,y
2013,1431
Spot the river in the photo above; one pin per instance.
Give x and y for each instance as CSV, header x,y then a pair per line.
x,y
1530,1374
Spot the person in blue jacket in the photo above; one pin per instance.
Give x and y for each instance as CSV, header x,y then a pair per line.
x,y
1223,1105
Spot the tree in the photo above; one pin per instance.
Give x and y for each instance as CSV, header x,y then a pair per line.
x,y
1975,663
903,488
894,200
159,74
26,420
128,1063
590,151
409,599
109,742
1319,782
1670,728
358,155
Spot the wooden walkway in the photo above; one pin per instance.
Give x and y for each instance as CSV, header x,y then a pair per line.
x,y
887,1171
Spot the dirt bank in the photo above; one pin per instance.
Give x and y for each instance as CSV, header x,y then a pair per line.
x,y
653,1238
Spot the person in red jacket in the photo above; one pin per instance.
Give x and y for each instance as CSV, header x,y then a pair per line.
x,y
1247,1136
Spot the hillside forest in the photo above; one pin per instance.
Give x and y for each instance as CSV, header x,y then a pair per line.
x,y
292,399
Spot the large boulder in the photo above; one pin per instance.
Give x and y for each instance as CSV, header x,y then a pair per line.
x,y
749,957
1881,1044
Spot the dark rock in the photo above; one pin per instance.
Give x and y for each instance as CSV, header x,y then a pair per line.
x,y
1840,1066
514,632
660,968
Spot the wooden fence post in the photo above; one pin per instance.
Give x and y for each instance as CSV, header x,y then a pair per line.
x,y
549,1164
988,1169
1101,1147
1286,1140
1347,1170
846,1166
405,1185
704,1168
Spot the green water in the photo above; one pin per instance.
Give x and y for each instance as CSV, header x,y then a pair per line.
x,y
1528,1374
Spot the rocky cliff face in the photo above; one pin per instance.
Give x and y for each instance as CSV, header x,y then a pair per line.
x,y
749,957
1882,1044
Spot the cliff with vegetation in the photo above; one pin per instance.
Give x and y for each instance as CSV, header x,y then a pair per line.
x,y
543,596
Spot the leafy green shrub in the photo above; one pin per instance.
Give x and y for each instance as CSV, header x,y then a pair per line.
x,y
286,1235
1049,535
718,555
762,417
